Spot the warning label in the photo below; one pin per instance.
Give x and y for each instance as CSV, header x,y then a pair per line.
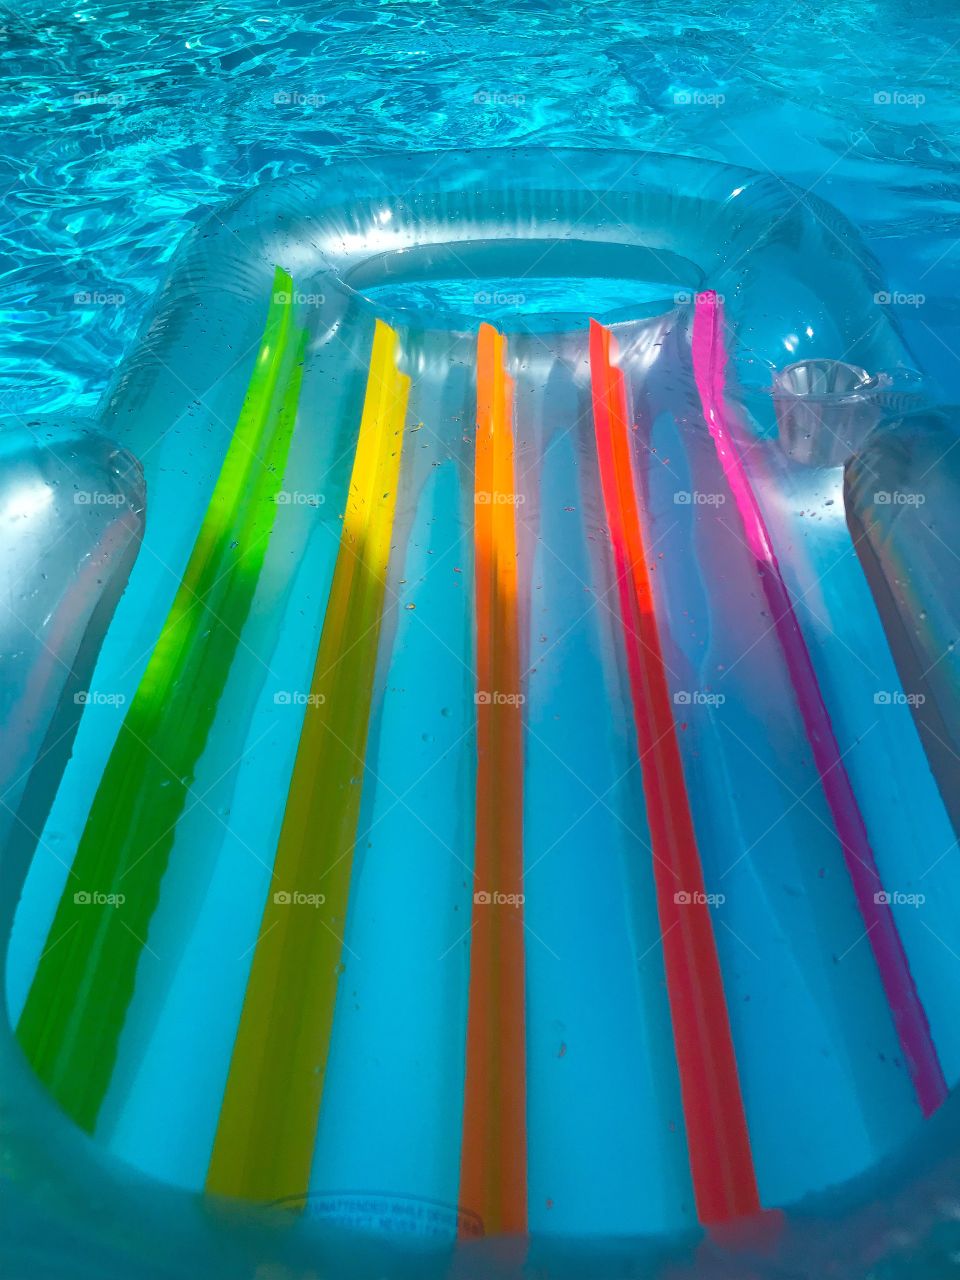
x,y
384,1213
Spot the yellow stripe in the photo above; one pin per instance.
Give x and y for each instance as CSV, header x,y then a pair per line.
x,y
264,1143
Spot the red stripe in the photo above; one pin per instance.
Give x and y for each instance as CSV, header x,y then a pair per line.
x,y
721,1162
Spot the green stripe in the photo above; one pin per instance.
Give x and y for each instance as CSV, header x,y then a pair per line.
x,y
76,1007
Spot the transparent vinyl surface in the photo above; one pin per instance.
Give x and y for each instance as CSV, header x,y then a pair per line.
x,y
498,792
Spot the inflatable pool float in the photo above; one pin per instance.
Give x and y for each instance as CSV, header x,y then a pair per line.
x,y
481,739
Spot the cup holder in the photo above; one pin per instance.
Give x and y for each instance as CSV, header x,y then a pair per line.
x,y
825,408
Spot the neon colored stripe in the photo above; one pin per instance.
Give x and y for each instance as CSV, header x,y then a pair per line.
x,y
718,1142
910,1020
77,1004
265,1138
493,1165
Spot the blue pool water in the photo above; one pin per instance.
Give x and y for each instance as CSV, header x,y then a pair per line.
x,y
127,122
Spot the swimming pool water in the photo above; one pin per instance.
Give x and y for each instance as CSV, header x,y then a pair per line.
x,y
127,122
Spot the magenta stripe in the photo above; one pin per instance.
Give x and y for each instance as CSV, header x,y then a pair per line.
x,y
910,1020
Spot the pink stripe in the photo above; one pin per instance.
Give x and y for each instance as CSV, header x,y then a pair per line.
x,y
910,1020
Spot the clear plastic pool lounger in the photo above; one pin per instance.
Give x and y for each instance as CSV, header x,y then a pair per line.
x,y
481,747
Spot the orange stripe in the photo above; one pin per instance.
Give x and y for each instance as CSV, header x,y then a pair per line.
x,y
493,1167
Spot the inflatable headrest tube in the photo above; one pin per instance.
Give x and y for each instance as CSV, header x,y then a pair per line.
x,y
480,747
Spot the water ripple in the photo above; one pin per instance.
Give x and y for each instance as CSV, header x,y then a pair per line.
x,y
128,121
